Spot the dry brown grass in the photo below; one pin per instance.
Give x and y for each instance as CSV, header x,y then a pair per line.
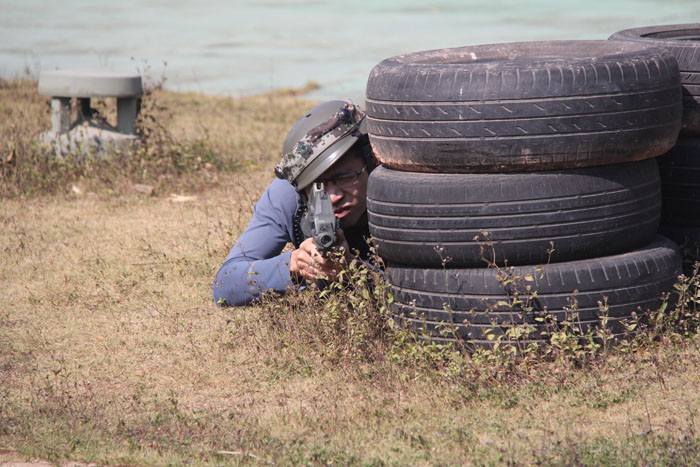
x,y
111,350
188,141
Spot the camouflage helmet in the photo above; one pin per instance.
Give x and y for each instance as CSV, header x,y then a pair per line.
x,y
319,139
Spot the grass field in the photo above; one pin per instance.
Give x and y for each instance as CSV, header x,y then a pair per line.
x,y
112,351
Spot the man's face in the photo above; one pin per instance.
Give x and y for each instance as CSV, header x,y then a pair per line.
x,y
349,199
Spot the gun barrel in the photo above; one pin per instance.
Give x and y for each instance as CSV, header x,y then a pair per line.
x,y
319,221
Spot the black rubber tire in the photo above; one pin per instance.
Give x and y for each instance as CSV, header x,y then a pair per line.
x,y
420,219
680,183
683,41
470,301
523,106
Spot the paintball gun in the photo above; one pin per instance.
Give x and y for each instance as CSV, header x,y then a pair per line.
x,y
319,221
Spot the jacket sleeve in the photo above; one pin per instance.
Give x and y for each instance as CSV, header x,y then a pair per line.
x,y
255,264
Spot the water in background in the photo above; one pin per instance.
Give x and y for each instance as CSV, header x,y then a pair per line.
x,y
239,47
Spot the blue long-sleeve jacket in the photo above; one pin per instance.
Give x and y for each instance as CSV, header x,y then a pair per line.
x,y
255,263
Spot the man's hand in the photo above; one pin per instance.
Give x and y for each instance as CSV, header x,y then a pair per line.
x,y
309,264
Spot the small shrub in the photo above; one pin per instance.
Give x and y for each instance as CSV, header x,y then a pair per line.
x,y
349,318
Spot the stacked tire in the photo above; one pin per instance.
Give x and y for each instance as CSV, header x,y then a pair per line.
x,y
517,186
680,167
